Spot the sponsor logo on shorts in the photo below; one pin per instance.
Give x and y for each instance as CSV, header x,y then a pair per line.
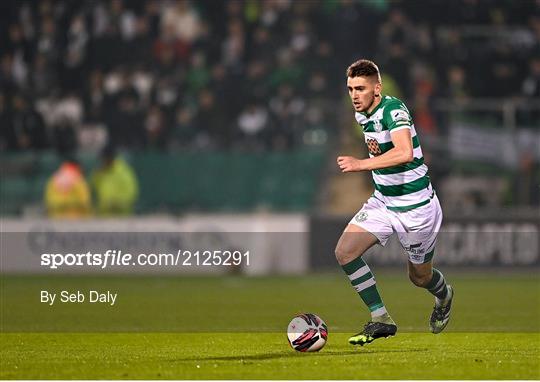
x,y
361,216
416,257
414,249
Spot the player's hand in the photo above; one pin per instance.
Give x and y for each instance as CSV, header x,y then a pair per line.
x,y
349,164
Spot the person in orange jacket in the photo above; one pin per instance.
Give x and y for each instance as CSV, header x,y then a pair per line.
x,y
67,195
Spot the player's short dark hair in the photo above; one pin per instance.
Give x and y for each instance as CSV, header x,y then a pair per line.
x,y
364,68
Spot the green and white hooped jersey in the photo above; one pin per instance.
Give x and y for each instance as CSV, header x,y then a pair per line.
x,y
403,187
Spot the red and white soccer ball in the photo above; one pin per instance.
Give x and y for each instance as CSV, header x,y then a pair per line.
x,y
307,332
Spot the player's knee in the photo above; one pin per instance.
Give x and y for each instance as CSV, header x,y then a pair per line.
x,y
341,254
420,280
345,254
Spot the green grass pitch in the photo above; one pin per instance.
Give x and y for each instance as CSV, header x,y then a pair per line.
x,y
232,327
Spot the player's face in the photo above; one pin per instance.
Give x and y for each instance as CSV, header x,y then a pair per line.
x,y
362,91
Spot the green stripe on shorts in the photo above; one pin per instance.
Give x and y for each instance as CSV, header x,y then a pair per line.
x,y
429,256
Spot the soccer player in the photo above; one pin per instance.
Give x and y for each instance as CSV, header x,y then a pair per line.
x,y
403,202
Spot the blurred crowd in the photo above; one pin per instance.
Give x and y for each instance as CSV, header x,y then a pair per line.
x,y
263,74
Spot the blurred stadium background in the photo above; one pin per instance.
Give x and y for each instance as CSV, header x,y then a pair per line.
x,y
248,97
226,117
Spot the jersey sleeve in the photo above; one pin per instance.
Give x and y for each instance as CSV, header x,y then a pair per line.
x,y
397,117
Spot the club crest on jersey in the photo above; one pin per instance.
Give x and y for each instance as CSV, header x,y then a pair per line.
x,y
373,147
377,126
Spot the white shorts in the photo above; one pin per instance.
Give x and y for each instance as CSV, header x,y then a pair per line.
x,y
417,229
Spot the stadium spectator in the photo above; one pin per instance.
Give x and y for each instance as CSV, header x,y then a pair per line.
x,y
396,37
125,121
67,195
114,185
42,77
287,108
234,46
211,131
155,127
183,131
531,83
253,124
27,128
457,86
180,17
530,89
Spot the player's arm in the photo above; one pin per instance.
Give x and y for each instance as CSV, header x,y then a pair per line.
x,y
401,153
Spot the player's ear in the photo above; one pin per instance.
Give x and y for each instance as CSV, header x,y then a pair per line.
x,y
378,89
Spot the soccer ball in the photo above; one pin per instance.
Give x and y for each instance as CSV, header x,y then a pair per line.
x,y
307,332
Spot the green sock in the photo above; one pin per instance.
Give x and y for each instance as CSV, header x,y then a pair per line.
x,y
363,282
437,286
